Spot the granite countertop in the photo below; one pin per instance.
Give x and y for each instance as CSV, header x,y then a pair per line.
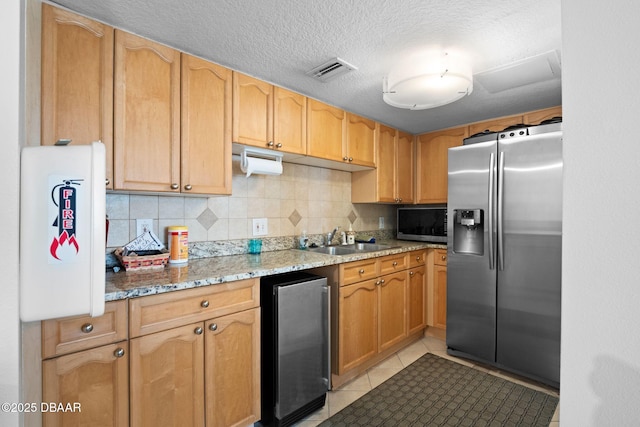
x,y
221,269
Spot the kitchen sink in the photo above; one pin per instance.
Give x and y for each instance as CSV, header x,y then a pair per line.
x,y
350,249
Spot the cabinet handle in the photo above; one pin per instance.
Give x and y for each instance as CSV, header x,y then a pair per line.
x,y
444,257
382,282
174,186
198,330
278,145
417,258
361,271
86,328
345,158
411,273
351,159
395,263
119,352
270,144
188,187
213,326
377,282
107,181
204,304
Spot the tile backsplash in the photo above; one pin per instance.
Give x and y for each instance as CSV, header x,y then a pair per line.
x,y
303,198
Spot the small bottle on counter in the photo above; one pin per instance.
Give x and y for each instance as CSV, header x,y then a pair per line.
x,y
351,236
303,240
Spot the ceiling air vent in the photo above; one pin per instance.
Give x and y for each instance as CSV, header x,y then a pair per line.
x,y
330,70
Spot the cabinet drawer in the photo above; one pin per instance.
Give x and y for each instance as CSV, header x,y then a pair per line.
x,y
393,263
440,257
417,258
160,312
357,271
71,334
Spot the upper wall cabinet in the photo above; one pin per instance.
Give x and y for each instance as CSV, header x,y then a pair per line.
x,y
326,128
268,116
392,181
146,115
432,163
360,147
77,81
205,145
537,117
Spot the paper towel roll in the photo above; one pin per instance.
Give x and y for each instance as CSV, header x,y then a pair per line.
x,y
256,165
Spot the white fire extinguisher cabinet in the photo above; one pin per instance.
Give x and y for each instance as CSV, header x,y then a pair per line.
x,y
62,231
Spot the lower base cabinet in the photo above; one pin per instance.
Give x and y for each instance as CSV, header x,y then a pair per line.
x,y
201,374
93,382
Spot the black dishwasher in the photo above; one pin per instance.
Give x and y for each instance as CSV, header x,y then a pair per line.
x,y
294,346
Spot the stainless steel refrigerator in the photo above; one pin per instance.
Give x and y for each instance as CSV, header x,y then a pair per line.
x,y
504,250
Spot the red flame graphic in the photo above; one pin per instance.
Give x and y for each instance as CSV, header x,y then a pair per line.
x,y
57,242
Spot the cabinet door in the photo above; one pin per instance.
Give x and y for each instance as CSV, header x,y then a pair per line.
x,y
252,111
416,305
392,318
97,379
405,160
289,121
432,163
146,115
77,81
358,320
440,296
206,127
387,164
167,378
361,141
325,130
232,369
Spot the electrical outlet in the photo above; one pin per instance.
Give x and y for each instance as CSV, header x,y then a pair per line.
x,y
381,223
260,227
142,225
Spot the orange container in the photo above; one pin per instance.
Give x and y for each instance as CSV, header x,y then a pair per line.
x,y
178,237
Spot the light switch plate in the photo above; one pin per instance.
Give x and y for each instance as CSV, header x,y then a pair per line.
x,y
143,225
260,227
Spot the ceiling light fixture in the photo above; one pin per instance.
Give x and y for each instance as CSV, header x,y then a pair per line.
x,y
428,80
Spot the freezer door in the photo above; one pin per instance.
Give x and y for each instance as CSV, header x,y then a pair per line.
x,y
529,282
302,344
471,274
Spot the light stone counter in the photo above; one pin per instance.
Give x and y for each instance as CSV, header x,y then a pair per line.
x,y
221,269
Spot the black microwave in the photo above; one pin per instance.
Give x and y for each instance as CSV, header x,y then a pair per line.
x,y
423,223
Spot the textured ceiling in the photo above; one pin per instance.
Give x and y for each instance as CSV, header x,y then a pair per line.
x,y
279,41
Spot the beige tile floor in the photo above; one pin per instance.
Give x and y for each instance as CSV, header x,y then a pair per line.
x,y
353,390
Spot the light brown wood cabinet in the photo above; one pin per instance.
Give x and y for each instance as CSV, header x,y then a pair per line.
x,y
86,360
360,145
438,301
495,125
195,358
77,81
268,116
326,130
392,180
538,116
205,142
378,300
432,163
146,115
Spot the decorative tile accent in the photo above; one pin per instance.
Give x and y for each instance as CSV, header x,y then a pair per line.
x,y
295,217
352,217
207,218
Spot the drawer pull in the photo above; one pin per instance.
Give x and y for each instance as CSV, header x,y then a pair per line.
x,y
86,328
204,304
395,263
444,257
119,352
361,271
198,330
213,326
417,258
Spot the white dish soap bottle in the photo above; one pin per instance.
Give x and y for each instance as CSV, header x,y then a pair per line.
x,y
351,236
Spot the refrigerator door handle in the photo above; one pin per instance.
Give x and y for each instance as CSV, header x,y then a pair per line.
x,y
500,211
492,166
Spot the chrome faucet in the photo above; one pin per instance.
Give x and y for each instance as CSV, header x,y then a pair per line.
x,y
331,235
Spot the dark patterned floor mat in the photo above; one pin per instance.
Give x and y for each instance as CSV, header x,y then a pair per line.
x,y
434,391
